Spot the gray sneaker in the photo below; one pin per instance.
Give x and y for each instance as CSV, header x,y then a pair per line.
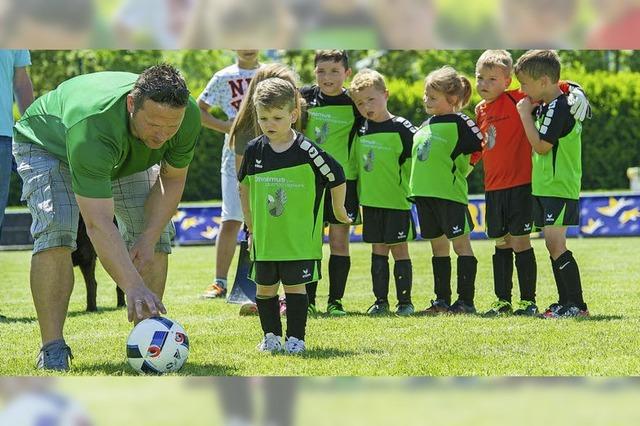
x,y
405,309
54,355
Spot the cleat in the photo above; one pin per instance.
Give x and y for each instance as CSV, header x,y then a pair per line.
x,y
335,309
214,291
551,311
571,311
499,308
270,343
438,306
526,308
405,309
460,307
294,345
378,308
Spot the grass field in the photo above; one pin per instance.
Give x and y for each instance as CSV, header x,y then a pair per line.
x,y
224,344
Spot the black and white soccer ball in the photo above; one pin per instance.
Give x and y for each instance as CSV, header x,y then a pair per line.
x,y
157,345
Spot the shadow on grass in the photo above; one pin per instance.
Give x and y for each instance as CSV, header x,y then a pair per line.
x,y
123,368
11,320
99,311
601,318
327,353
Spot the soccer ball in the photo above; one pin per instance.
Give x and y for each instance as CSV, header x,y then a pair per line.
x,y
157,345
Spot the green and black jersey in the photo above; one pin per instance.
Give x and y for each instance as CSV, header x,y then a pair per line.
x,y
332,123
382,156
441,153
287,196
558,172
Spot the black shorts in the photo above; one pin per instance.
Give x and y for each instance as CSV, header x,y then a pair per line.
x,y
350,203
387,226
288,272
439,217
509,211
554,211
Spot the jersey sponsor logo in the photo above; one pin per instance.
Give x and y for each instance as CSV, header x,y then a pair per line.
x,y
527,227
306,273
368,160
550,218
491,136
456,229
321,133
423,150
276,202
258,164
402,235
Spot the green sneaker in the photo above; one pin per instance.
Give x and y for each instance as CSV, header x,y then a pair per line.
x,y
312,311
405,309
335,309
526,308
378,309
499,308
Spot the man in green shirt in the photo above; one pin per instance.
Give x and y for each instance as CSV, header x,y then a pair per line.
x,y
93,146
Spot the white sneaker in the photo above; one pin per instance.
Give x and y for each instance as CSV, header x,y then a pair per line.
x,y
294,345
270,343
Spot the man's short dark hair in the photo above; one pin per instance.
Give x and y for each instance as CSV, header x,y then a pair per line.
x,y
332,56
163,84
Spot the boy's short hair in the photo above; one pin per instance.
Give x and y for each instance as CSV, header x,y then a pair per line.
x,y
367,78
275,92
496,59
334,55
539,63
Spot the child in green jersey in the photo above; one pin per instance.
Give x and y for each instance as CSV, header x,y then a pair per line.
x,y
382,158
282,183
332,122
442,148
556,142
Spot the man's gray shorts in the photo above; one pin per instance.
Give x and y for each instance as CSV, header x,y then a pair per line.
x,y
47,191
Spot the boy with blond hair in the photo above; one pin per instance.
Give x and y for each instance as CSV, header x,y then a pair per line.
x,y
555,137
382,159
282,178
507,166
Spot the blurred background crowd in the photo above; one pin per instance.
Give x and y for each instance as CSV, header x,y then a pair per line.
x,y
382,24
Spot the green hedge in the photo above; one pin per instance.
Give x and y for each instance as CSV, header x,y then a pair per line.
x,y
611,139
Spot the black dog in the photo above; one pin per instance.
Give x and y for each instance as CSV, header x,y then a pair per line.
x,y
85,257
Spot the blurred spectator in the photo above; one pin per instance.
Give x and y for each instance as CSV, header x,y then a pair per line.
x,y
618,26
157,24
537,24
45,24
250,24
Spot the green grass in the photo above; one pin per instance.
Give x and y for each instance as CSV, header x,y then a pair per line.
x,y
224,344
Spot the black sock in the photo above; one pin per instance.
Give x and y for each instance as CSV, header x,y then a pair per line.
x,y
503,273
297,305
311,293
442,278
338,272
467,268
568,269
527,274
403,274
269,312
380,277
560,285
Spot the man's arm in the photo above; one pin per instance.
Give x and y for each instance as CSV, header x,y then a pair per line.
x,y
159,208
98,217
22,88
210,122
525,108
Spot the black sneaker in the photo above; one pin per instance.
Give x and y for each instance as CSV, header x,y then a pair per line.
x,y
572,311
551,311
460,307
378,308
438,306
526,308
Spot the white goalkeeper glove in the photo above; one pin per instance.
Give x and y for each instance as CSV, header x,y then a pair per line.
x,y
580,108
